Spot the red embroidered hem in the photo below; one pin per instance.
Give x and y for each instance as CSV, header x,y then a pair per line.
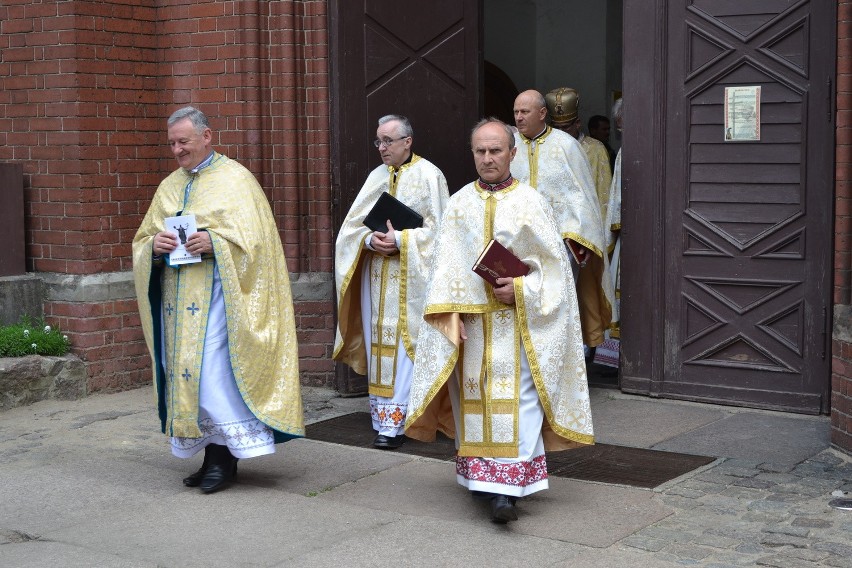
x,y
518,474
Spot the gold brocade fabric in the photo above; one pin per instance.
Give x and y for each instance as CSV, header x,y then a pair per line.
x,y
397,283
543,322
613,222
601,173
230,205
555,164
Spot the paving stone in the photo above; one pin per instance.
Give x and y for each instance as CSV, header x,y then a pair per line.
x,y
703,486
838,562
784,562
670,535
680,502
754,483
788,494
766,506
811,522
734,471
740,493
801,532
717,541
807,554
711,476
644,543
775,467
835,548
742,530
779,477
685,492
776,540
751,548
688,551
766,518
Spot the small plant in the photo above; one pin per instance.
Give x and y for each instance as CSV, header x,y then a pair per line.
x,y
32,338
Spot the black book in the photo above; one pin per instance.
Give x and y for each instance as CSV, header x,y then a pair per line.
x,y
389,207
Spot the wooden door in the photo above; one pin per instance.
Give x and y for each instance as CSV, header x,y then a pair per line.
x,y
419,59
745,226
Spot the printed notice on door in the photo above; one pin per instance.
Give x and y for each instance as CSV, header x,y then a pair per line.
x,y
742,113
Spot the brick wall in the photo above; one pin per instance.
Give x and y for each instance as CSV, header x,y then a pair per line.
x,y
85,87
841,377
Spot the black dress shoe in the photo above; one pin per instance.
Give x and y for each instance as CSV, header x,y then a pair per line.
x,y
221,471
218,476
502,509
389,442
194,480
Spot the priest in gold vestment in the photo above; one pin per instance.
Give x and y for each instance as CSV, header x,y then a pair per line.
x,y
563,106
220,331
613,223
381,277
500,369
553,162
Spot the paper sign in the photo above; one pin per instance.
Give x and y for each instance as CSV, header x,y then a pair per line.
x,y
182,227
742,113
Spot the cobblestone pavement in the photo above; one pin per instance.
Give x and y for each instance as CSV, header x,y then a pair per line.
x,y
732,512
742,513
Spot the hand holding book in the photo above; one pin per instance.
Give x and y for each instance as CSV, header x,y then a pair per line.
x,y
496,261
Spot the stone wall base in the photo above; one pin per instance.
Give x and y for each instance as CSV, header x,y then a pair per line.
x,y
25,380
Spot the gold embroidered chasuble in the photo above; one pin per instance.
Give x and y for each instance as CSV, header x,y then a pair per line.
x,y
601,172
543,322
397,283
230,205
555,164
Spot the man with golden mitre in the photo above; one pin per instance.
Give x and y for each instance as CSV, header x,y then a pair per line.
x,y
220,331
501,368
563,106
554,163
381,277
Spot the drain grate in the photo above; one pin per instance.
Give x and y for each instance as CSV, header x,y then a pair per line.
x,y
636,467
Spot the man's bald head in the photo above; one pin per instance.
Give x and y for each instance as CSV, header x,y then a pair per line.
x,y
530,112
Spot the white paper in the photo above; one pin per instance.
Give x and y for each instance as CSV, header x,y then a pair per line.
x,y
182,227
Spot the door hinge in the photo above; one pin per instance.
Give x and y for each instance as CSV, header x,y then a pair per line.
x,y
829,99
824,332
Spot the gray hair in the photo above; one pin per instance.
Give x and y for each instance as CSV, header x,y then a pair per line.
x,y
405,125
616,110
491,120
198,118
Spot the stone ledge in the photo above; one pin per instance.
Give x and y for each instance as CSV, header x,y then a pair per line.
x,y
25,380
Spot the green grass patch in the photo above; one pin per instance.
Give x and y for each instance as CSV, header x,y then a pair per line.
x,y
29,337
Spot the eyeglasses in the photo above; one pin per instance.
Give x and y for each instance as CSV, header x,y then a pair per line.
x,y
387,142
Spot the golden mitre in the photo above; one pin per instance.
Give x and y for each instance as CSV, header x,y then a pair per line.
x,y
562,105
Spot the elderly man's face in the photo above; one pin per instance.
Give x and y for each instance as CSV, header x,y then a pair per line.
x,y
529,115
189,146
491,153
394,147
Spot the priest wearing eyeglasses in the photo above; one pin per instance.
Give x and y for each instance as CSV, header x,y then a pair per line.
x,y
381,277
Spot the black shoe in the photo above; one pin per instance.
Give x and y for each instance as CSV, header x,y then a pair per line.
x,y
221,471
389,442
502,509
194,480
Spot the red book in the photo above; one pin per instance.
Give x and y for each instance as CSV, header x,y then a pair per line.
x,y
496,261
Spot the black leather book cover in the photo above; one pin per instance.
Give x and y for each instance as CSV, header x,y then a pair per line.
x,y
388,207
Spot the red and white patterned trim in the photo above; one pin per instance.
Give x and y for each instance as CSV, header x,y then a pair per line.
x,y
516,474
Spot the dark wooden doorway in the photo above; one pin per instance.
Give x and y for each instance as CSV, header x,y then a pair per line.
x,y
727,247
419,59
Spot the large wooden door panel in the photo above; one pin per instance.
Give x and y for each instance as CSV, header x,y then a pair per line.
x,y
747,223
419,59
